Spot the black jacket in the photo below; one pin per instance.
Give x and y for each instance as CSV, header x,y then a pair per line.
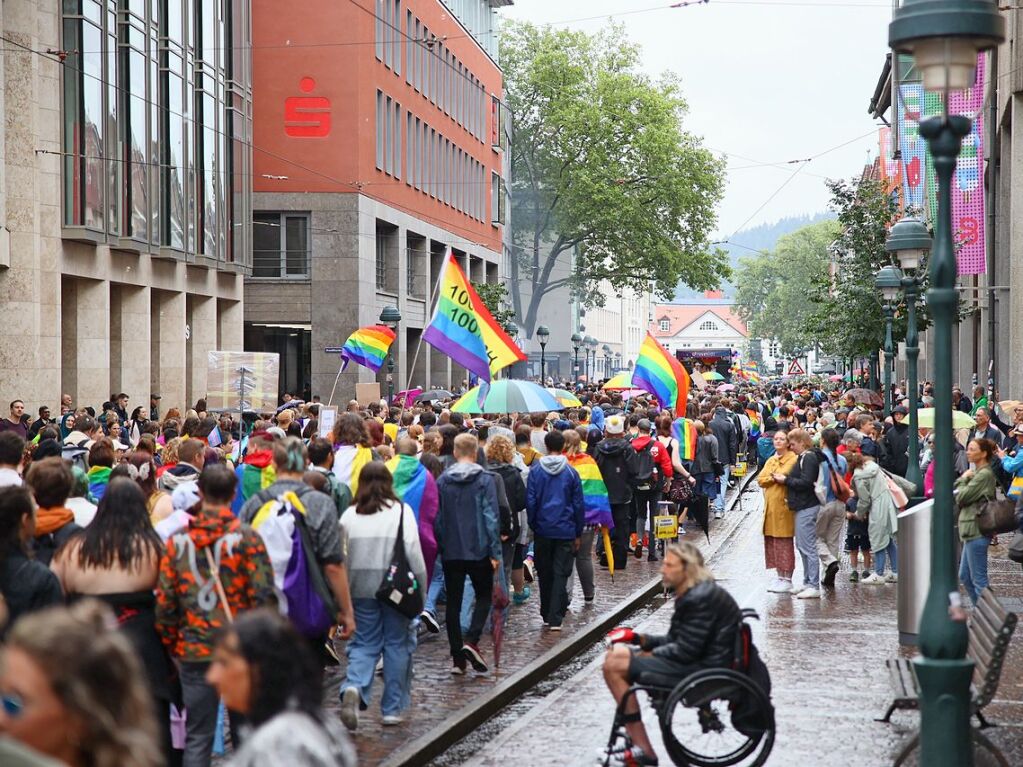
x,y
702,630
616,459
799,483
728,440
27,586
895,449
515,489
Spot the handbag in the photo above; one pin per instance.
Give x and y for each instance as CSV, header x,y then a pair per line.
x,y
997,515
681,491
400,589
839,487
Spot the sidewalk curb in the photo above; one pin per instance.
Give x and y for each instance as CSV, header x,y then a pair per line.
x,y
481,708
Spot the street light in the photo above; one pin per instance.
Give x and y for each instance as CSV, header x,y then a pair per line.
x,y
543,333
607,359
593,356
618,362
576,343
390,317
889,282
587,341
944,37
511,330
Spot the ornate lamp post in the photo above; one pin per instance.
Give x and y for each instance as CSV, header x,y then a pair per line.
x,y
618,363
593,356
511,329
888,281
607,359
543,333
577,341
944,37
390,317
587,341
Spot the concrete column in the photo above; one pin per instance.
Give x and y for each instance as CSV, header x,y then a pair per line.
x,y
91,343
130,342
230,335
168,345
202,339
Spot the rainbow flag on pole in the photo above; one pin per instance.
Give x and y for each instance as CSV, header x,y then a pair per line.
x,y
684,430
662,375
368,347
595,498
464,329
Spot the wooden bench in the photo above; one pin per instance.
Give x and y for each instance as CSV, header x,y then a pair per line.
x,y
991,628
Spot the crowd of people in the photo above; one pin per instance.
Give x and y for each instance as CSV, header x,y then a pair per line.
x,y
180,561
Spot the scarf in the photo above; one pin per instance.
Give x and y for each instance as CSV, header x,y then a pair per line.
x,y
51,520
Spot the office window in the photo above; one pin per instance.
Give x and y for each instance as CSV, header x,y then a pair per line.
x,y
397,140
381,129
665,326
396,37
409,47
381,4
410,141
280,245
497,199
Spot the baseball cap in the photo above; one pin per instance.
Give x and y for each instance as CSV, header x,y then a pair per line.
x,y
614,424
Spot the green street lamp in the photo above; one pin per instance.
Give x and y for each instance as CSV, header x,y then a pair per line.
x,y
577,341
607,359
588,341
390,316
888,281
944,37
511,329
543,334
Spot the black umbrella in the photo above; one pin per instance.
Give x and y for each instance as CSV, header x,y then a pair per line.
x,y
699,511
434,394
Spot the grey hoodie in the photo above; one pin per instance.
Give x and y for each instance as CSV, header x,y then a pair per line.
x,y
553,464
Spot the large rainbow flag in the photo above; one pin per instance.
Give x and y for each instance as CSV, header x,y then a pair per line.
x,y
662,375
684,430
368,347
464,329
595,499
414,485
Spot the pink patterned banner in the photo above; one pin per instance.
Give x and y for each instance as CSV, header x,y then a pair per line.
x,y
968,183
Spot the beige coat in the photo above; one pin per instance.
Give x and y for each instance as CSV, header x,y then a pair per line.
x,y
779,522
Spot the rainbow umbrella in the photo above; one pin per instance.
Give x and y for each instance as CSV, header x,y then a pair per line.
x,y
508,396
619,382
565,397
713,375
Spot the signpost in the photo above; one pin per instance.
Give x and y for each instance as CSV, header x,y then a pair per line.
x,y
795,369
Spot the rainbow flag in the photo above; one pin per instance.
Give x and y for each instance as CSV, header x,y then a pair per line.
x,y
662,375
368,347
684,430
464,329
595,499
414,485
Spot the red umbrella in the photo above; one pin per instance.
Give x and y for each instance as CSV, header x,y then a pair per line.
x,y
865,397
499,602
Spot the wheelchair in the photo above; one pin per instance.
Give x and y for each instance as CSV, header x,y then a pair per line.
x,y
715,717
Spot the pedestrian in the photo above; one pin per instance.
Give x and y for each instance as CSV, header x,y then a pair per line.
x,y
501,455
181,480
50,481
14,422
12,451
158,502
724,430
369,531
524,445
321,461
802,499
616,459
116,560
857,533
262,670
554,504
467,530
74,690
352,449
653,467
894,445
79,503
255,471
596,510
984,428
706,463
779,526
101,463
25,584
44,419
211,570
320,519
973,489
874,505
831,518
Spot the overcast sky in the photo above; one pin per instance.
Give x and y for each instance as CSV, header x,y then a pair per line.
x,y
770,80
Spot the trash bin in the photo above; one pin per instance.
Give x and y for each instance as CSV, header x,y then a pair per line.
x,y
914,542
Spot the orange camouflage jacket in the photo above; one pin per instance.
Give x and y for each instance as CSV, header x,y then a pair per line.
x,y
188,609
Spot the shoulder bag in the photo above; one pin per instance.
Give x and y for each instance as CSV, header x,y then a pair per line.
x,y
400,589
997,515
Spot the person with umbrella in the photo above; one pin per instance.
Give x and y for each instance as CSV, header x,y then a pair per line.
x,y
895,443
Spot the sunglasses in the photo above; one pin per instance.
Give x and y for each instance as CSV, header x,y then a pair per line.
x,y
12,705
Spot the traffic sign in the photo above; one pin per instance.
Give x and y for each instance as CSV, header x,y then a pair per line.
x,y
795,369
332,349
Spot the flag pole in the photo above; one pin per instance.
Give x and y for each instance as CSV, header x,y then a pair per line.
x,y
415,356
341,367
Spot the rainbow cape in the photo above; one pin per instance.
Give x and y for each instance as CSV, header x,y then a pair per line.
x,y
684,430
595,499
662,375
368,347
464,329
414,485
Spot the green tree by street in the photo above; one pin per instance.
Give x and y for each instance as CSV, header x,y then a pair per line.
x,y
494,296
603,172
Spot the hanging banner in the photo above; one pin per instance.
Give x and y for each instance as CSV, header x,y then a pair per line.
x,y
913,146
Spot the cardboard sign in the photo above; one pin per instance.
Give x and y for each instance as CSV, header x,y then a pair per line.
x,y
699,380
242,381
367,392
327,419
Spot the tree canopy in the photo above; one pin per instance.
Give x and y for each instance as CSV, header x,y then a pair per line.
x,y
603,172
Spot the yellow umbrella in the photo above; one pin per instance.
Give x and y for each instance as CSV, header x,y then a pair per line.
x,y
619,382
608,551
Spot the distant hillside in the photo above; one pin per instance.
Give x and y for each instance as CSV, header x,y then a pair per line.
x,y
762,237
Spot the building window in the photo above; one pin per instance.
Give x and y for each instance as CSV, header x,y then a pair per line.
x,y
498,198
709,325
665,326
386,257
280,245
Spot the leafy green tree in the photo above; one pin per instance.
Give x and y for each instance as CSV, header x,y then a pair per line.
x,y
603,173
494,296
772,288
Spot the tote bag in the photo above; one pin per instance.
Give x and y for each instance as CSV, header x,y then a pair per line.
x,y
400,589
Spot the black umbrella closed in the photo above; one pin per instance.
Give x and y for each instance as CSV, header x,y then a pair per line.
x,y
699,511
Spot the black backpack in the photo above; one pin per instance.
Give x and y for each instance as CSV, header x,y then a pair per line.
x,y
646,467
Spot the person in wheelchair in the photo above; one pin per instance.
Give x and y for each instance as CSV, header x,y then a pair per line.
x,y
702,635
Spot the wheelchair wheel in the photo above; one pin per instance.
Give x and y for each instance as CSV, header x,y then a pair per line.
x,y
717,718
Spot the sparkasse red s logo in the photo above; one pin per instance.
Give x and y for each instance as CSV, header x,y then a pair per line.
x,y
307,116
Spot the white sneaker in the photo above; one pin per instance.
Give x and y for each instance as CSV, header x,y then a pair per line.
x,y
891,578
809,593
780,586
872,580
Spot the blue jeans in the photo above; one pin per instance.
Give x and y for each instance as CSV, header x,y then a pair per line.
x,y
380,631
889,552
437,590
973,567
719,504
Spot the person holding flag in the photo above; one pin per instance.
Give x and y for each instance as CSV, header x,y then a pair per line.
x,y
596,512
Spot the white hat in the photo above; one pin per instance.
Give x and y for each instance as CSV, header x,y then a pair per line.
x,y
614,424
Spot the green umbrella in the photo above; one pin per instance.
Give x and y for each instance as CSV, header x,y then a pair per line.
x,y
713,375
508,396
960,420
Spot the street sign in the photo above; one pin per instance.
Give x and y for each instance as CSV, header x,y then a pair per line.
x,y
795,369
332,349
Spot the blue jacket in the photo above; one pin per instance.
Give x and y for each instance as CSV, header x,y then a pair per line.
x,y
554,499
466,525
